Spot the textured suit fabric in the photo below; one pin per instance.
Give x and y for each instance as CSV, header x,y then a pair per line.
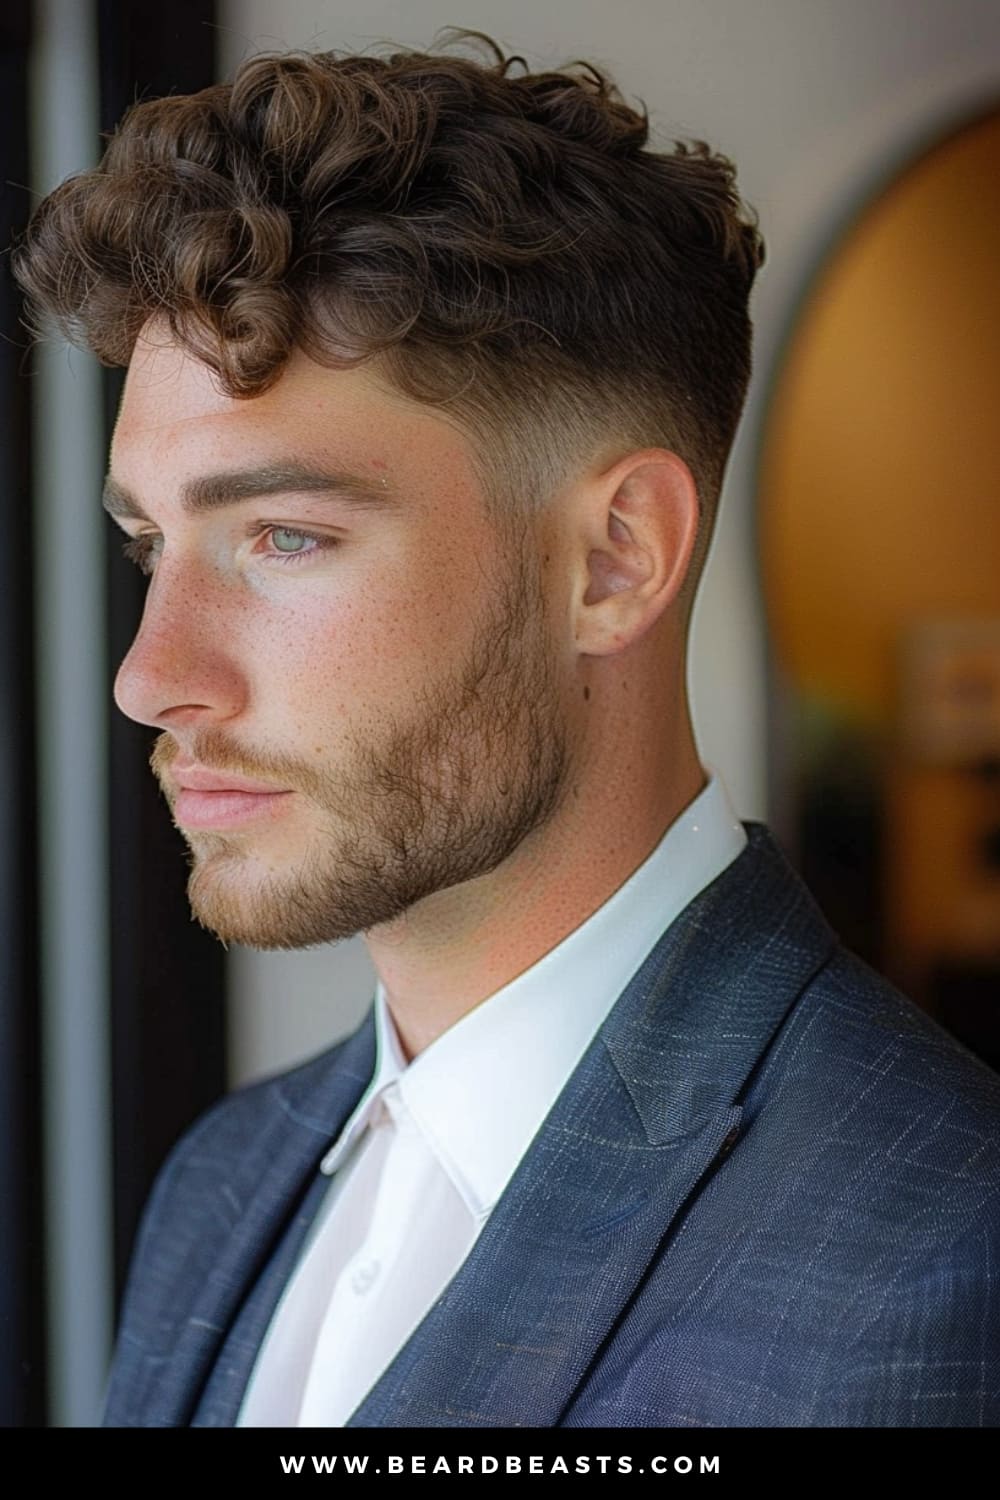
x,y
769,1195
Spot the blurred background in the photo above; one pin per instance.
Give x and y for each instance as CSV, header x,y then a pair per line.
x,y
845,666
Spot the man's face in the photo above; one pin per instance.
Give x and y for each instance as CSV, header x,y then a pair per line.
x,y
373,651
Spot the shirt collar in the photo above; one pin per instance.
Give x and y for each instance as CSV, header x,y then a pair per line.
x,y
480,1091
390,1063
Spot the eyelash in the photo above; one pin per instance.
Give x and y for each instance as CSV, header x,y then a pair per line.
x,y
138,549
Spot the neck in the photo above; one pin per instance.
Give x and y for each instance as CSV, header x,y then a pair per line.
x,y
449,952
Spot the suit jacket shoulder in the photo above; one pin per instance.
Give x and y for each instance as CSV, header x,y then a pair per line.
x,y
221,1203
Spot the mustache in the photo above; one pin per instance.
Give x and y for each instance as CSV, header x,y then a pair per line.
x,y
214,751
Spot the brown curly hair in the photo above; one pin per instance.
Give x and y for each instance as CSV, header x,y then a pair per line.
x,y
503,242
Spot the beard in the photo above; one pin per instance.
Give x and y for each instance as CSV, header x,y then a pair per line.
x,y
439,796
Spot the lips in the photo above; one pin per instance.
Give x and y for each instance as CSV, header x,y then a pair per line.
x,y
209,799
194,779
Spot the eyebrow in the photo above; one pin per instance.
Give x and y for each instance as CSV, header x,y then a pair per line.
x,y
216,491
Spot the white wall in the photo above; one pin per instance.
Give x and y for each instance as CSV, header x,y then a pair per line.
x,y
818,102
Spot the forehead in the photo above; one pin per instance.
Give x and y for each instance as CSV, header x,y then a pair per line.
x,y
174,415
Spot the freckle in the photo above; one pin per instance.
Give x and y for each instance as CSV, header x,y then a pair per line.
x,y
586,692
576,791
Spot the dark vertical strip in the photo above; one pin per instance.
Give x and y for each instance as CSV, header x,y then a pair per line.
x,y
168,975
21,1243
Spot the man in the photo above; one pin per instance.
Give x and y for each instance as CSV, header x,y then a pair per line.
x,y
433,371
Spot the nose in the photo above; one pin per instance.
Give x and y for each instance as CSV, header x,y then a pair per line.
x,y
182,667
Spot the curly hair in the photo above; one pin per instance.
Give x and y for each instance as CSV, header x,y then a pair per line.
x,y
503,241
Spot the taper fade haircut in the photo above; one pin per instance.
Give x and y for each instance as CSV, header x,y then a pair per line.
x,y
502,240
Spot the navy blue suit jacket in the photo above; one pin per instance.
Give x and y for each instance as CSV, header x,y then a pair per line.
x,y
768,1195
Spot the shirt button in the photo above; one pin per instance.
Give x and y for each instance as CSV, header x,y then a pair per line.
x,y
364,1277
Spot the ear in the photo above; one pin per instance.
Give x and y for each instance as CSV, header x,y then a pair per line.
x,y
637,528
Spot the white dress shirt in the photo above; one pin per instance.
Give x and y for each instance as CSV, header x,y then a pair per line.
x,y
423,1159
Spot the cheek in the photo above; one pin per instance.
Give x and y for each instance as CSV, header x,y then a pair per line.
x,y
355,644
338,659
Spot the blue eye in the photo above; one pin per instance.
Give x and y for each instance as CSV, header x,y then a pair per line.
x,y
284,554
287,531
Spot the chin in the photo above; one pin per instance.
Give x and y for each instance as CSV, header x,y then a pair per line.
x,y
242,900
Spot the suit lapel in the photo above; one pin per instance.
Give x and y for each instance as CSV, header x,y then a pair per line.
x,y
648,1110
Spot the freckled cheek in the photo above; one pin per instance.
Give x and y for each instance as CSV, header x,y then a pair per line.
x,y
343,659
